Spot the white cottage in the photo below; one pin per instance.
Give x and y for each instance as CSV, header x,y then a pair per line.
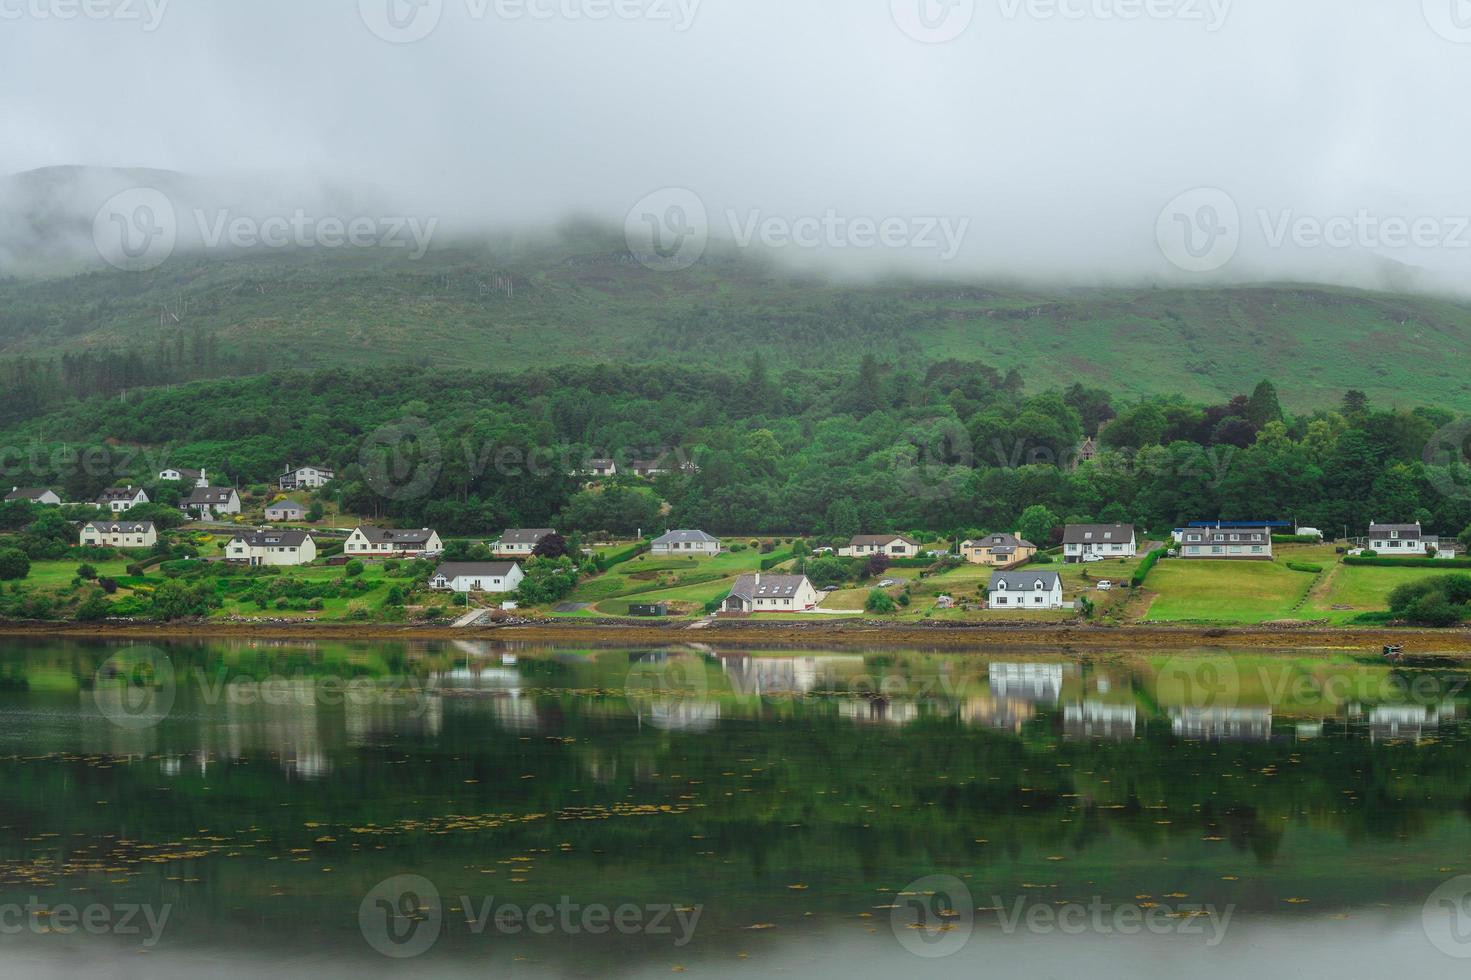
x,y
1401,539
690,544
267,548
207,502
375,542
34,495
520,542
466,577
1025,589
196,478
1106,540
119,534
770,593
119,499
893,545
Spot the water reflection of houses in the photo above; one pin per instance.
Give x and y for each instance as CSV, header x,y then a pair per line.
x,y
1003,714
1391,722
878,711
1037,683
765,676
1093,718
1226,724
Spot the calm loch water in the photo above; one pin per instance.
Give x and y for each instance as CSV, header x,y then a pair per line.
x,y
475,810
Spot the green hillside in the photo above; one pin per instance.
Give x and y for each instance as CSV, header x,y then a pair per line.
x,y
577,297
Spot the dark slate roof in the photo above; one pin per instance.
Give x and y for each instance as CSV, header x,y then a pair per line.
x,y
1223,535
768,587
862,539
1024,581
525,535
183,471
392,536
682,537
27,493
1408,532
122,527
286,505
475,569
209,495
118,493
273,539
1095,533
293,470
1003,542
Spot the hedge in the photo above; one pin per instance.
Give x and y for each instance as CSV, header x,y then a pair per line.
x,y
606,562
1146,566
1377,562
1302,566
1296,539
767,564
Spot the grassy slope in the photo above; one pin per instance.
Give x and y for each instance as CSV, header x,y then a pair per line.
x,y
578,299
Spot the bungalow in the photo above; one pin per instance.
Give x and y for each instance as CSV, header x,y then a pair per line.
x,y
1108,540
306,478
206,502
998,550
770,593
520,542
265,547
119,534
1401,539
285,510
179,474
466,577
600,467
647,469
119,499
691,543
1025,590
374,542
893,545
35,495
1234,543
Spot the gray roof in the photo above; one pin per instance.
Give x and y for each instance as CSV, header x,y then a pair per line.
x,y
474,569
864,539
392,536
1024,581
122,527
118,493
273,539
525,535
763,586
209,495
1409,531
27,493
1230,535
286,505
293,470
1095,533
685,537
1004,541
183,471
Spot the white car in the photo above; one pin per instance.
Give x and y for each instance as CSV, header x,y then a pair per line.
x,y
1092,558
1105,586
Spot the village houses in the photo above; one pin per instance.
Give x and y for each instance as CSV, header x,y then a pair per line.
x,y
119,499
1404,539
306,478
1230,543
467,577
34,495
1025,589
195,478
760,593
119,534
691,544
892,545
520,542
268,548
998,550
375,542
1106,540
207,502
285,510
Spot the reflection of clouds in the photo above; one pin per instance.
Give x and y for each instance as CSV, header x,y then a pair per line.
x,y
1231,724
1099,719
878,711
1037,683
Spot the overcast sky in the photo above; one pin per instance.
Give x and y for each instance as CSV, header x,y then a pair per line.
x,y
1047,137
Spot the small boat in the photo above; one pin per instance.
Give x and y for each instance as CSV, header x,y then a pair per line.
x,y
1394,653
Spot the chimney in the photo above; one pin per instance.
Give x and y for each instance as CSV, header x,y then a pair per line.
x,y
758,579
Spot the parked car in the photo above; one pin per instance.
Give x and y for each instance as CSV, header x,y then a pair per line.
x,y
831,588
1105,586
1092,558
889,583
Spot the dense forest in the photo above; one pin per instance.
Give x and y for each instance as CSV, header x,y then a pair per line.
x,y
957,447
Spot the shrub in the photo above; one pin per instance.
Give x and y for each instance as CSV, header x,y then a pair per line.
x,y
1302,566
354,568
880,602
14,564
87,572
1146,566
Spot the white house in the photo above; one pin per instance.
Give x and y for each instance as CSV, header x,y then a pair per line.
x,y
893,545
600,467
207,502
119,534
272,548
520,542
35,495
1401,539
119,499
196,478
1025,589
465,577
1230,543
375,542
693,544
306,477
285,510
770,593
1108,540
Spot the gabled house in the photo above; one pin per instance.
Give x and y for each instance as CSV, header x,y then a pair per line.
x,y
466,577
893,545
206,502
306,477
373,542
1108,540
1401,539
197,478
761,592
119,534
520,542
285,510
692,544
34,495
265,548
119,499
600,467
998,550
1231,543
1025,589
647,469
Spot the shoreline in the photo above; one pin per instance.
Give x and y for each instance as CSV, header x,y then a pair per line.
x,y
749,633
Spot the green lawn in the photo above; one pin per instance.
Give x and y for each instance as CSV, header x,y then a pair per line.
x,y
1225,591
691,581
